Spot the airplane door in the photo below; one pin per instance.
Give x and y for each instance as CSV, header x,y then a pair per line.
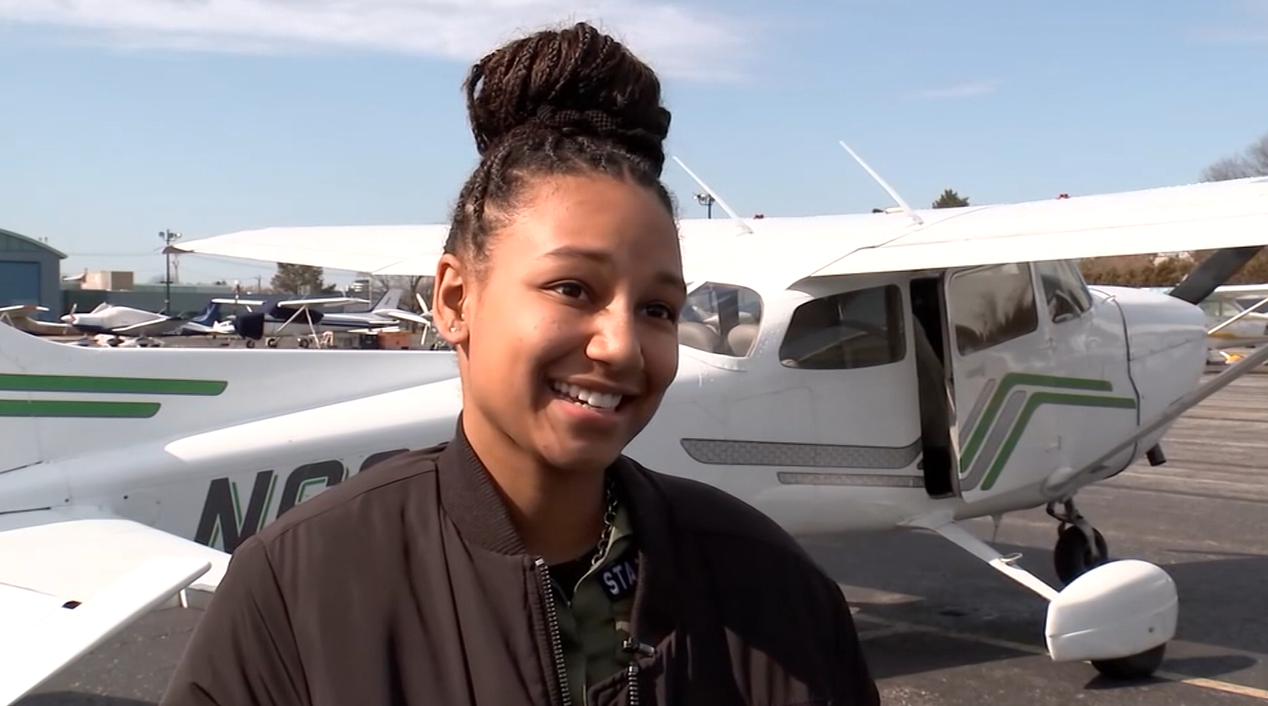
x,y
999,359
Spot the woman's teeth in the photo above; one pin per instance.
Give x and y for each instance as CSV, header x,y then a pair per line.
x,y
600,400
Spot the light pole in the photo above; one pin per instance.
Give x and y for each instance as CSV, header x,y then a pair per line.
x,y
706,200
168,236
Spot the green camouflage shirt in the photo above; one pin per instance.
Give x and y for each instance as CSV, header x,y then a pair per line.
x,y
595,621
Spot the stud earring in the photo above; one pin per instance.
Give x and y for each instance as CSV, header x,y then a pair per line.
x,y
452,328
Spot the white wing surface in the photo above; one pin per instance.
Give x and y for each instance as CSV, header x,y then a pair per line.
x,y
71,579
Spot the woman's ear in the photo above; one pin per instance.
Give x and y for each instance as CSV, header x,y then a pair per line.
x,y
449,299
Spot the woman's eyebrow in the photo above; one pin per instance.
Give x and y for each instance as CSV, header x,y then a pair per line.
x,y
602,257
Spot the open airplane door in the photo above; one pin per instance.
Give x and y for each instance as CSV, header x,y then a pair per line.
x,y
994,332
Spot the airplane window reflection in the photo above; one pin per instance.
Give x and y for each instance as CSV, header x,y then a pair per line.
x,y
857,329
992,305
721,318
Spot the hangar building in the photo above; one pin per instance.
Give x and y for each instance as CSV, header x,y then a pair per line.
x,y
30,272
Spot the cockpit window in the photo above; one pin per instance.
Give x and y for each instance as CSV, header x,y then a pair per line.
x,y
721,318
991,305
1064,289
857,329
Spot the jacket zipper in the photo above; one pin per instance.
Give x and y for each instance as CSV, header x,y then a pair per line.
x,y
635,648
552,623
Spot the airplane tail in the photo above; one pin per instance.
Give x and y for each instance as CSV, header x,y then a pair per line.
x,y
391,299
209,314
59,401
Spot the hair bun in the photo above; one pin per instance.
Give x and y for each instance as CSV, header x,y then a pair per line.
x,y
578,82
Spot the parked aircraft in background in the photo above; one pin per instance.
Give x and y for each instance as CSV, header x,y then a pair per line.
x,y
1237,315
22,317
301,318
119,322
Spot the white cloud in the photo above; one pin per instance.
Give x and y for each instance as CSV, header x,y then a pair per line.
x,y
677,39
964,90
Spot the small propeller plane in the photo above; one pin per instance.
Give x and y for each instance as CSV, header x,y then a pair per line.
x,y
271,323
891,371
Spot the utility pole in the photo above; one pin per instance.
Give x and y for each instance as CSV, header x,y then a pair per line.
x,y
706,200
168,237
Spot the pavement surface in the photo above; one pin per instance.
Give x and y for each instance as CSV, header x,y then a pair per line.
x,y
941,628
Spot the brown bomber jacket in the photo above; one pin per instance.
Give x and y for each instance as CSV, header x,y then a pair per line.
x,y
408,584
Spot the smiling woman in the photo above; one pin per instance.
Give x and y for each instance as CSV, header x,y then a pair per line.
x,y
528,560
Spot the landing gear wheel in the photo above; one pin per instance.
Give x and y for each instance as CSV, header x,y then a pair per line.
x,y
1137,666
1075,556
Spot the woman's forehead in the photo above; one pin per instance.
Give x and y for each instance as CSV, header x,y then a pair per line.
x,y
598,220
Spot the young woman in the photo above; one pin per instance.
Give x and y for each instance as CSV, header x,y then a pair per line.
x,y
527,561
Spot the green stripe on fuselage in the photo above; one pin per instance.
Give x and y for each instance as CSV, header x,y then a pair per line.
x,y
110,385
1006,385
1034,402
78,408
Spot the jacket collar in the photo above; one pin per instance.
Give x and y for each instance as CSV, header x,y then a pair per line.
x,y
472,502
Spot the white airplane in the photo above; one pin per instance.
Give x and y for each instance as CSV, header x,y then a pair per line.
x,y
22,317
120,321
888,371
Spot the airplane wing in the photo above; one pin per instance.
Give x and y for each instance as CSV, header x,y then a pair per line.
x,y
379,250
376,249
1204,216
319,301
1231,291
73,578
23,308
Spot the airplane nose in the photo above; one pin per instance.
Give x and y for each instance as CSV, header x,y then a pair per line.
x,y
1159,322
1166,345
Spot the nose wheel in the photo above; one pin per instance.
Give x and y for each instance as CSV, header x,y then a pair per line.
x,y
1081,548
1076,553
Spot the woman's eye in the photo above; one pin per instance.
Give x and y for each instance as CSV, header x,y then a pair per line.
x,y
570,289
661,311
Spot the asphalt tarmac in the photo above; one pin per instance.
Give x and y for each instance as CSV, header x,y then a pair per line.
x,y
941,628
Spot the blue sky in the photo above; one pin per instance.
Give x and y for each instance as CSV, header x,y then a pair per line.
x,y
119,118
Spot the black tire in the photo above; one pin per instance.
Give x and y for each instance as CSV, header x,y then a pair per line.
x,y
1072,556
1137,666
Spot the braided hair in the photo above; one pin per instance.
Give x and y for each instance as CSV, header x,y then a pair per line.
x,y
556,103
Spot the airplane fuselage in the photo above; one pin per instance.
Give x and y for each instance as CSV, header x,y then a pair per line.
x,y
826,436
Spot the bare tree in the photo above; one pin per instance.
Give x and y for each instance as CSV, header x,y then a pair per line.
x,y
1253,162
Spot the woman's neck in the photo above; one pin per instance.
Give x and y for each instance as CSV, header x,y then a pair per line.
x,y
558,514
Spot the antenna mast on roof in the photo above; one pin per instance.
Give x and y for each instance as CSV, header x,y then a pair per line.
x,y
744,227
889,189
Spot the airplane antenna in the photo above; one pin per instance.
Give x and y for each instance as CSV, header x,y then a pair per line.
x,y
889,189
744,227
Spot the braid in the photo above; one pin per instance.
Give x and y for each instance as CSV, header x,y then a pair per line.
x,y
556,103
